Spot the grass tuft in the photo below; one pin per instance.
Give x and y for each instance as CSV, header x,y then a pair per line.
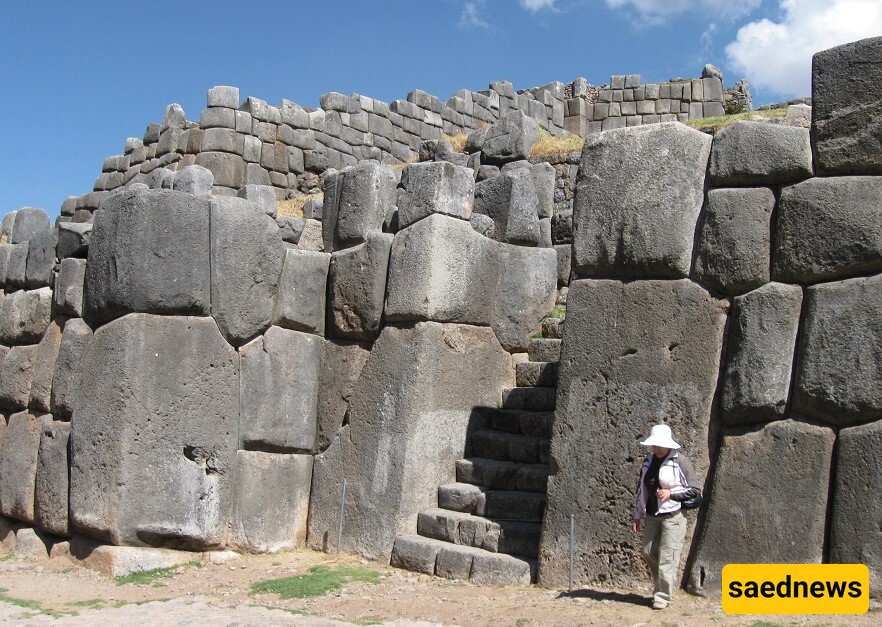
x,y
293,207
458,142
319,580
549,146
88,603
147,576
715,124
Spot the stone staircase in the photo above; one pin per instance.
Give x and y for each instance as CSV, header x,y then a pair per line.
x,y
486,526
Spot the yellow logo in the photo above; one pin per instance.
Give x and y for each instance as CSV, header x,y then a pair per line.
x,y
796,588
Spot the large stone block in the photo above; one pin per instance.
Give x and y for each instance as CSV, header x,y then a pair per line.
x,y
44,367
279,390
300,303
762,340
829,228
75,343
847,108
357,288
638,198
25,315
17,265
734,239
74,239
838,366
408,420
149,253
768,500
41,258
247,254
525,292
228,169
356,202
29,221
510,200
68,292
342,363
272,501
633,354
16,377
436,187
53,478
543,182
855,535
758,153
156,433
510,139
18,465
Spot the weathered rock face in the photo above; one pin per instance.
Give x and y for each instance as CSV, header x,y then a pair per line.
x,y
855,536
342,363
734,239
760,356
788,462
25,315
633,354
29,221
279,391
829,228
44,367
53,478
68,367
41,258
16,377
435,187
300,303
758,153
149,253
355,204
638,197
510,139
68,293
839,367
847,108
155,433
510,201
18,465
407,425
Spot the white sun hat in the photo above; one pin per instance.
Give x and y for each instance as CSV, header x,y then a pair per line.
x,y
660,436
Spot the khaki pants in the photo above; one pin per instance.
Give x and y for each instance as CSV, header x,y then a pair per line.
x,y
662,543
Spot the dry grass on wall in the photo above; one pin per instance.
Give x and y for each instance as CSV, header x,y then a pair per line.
x,y
293,207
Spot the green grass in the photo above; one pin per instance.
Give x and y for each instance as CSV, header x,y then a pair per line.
x,y
89,603
521,622
31,605
727,120
6,557
147,576
765,623
559,311
319,580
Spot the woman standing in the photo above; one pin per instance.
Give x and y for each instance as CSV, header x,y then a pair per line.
x,y
665,480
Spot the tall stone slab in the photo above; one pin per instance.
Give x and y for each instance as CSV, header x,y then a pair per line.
x,y
149,253
68,293
638,197
839,367
510,201
408,419
279,391
768,501
155,434
16,377
855,535
847,108
633,354
28,222
75,341
247,254
18,465
342,363
301,298
356,202
44,367
53,478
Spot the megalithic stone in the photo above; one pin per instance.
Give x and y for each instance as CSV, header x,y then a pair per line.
x,y
18,465
356,202
53,478
68,367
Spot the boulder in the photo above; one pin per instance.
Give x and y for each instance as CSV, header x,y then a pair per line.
x,y
17,265
279,379
16,377
195,180
790,461
633,354
53,478
247,254
762,339
838,364
342,363
828,228
357,288
44,367
435,187
734,239
408,420
68,293
119,561
74,239
74,346
300,302
758,153
847,108
855,536
525,291
290,229
18,465
509,139
228,169
156,433
510,200
41,258
638,198
31,545
25,315
29,221
272,501
149,253
5,252
355,204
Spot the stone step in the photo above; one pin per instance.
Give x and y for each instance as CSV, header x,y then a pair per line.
x,y
552,328
527,449
513,537
434,557
499,475
544,349
520,421
536,374
532,399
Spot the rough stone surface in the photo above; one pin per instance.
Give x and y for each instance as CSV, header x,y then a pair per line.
x,y
357,288
342,363
44,367
247,254
839,367
118,561
149,253
74,239
16,377
53,478
300,303
355,204
543,182
855,536
408,419
41,258
847,108
829,228
272,501
17,265
18,465
29,221
762,340
734,240
633,354
194,180
29,545
638,198
171,385
68,292
783,525
228,169
510,200
525,292
436,187
758,153
510,139
279,390
66,375
25,315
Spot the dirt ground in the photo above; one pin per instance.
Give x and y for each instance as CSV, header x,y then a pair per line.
x,y
58,591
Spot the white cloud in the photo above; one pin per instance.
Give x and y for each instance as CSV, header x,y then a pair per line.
x,y
707,37
777,55
657,11
537,5
471,17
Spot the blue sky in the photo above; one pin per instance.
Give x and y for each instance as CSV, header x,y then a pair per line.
x,y
81,77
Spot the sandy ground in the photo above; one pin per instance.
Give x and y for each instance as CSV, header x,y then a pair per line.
x,y
63,593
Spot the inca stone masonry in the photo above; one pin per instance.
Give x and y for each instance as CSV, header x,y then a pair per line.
x,y
185,367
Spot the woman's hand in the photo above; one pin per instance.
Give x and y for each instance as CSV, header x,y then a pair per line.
x,y
635,526
662,494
